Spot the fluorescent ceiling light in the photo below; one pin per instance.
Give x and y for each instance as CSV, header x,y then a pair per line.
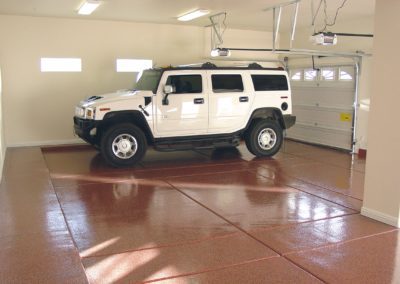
x,y
88,7
193,15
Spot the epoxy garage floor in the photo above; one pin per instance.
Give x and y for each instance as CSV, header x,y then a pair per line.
x,y
190,217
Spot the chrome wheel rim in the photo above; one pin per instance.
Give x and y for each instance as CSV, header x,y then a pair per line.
x,y
267,139
124,146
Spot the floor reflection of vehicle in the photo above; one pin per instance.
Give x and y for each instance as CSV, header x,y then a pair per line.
x,y
225,153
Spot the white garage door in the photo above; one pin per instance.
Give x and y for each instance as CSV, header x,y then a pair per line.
x,y
323,103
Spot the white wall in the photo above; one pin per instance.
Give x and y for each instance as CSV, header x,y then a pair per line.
x,y
38,107
345,44
381,191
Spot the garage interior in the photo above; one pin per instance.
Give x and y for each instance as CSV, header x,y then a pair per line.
x,y
325,209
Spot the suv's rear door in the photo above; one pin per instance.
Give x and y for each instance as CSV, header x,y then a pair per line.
x,y
230,100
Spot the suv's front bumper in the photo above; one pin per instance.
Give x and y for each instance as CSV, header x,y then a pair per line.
x,y
82,128
289,120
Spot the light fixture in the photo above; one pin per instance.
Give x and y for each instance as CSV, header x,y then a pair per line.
x,y
193,15
88,7
220,52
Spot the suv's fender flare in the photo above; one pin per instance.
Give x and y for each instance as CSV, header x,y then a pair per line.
x,y
265,113
127,116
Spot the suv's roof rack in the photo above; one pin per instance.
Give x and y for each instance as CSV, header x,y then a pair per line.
x,y
209,65
255,66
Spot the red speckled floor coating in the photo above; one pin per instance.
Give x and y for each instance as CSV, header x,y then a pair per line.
x,y
209,216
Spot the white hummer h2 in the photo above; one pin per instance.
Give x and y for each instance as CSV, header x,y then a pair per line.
x,y
178,108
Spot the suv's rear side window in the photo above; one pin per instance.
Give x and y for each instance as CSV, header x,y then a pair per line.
x,y
270,82
185,84
227,83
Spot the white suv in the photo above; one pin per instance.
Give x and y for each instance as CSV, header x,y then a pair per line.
x,y
180,108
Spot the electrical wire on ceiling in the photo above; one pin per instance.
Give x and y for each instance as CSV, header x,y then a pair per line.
x,y
326,18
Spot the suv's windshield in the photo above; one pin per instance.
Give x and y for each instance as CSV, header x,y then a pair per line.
x,y
149,81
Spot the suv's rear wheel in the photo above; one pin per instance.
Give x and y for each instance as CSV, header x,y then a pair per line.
x,y
123,145
264,138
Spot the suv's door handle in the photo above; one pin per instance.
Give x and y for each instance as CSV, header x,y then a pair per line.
x,y
243,99
199,101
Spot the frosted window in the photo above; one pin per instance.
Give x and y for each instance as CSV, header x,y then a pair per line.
x,y
296,75
346,73
328,74
60,65
310,75
133,65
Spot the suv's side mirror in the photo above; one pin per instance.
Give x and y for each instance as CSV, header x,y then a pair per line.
x,y
168,89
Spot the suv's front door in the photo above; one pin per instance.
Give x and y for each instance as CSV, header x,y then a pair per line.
x,y
187,110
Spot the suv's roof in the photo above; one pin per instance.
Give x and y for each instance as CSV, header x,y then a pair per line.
x,y
211,66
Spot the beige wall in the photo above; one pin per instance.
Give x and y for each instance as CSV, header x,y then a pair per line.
x,y
39,106
382,192
2,145
345,44
245,39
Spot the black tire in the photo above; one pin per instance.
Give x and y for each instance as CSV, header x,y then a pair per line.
x,y
272,142
123,145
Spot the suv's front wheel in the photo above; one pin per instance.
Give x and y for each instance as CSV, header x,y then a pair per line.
x,y
264,138
123,145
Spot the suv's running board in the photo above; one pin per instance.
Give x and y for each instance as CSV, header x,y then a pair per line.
x,y
196,144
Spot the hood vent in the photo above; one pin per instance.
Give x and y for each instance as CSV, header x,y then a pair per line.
x,y
93,98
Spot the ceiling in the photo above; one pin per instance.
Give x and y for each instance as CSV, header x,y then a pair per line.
x,y
245,14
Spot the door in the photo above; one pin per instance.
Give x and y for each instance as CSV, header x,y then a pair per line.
x,y
187,110
323,104
230,100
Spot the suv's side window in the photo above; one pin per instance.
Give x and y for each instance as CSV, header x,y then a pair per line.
x,y
185,84
270,82
227,83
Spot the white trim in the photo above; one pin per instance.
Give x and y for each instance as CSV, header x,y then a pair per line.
x,y
382,217
47,143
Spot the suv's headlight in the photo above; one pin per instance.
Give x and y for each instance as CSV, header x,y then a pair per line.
x,y
80,112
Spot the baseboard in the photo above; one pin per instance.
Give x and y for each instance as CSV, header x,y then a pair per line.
x,y
379,216
362,153
47,143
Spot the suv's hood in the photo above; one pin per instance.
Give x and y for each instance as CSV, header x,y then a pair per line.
x,y
111,97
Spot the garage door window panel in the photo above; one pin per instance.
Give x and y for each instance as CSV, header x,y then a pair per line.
x,y
296,75
310,75
346,73
186,84
227,83
328,74
270,82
